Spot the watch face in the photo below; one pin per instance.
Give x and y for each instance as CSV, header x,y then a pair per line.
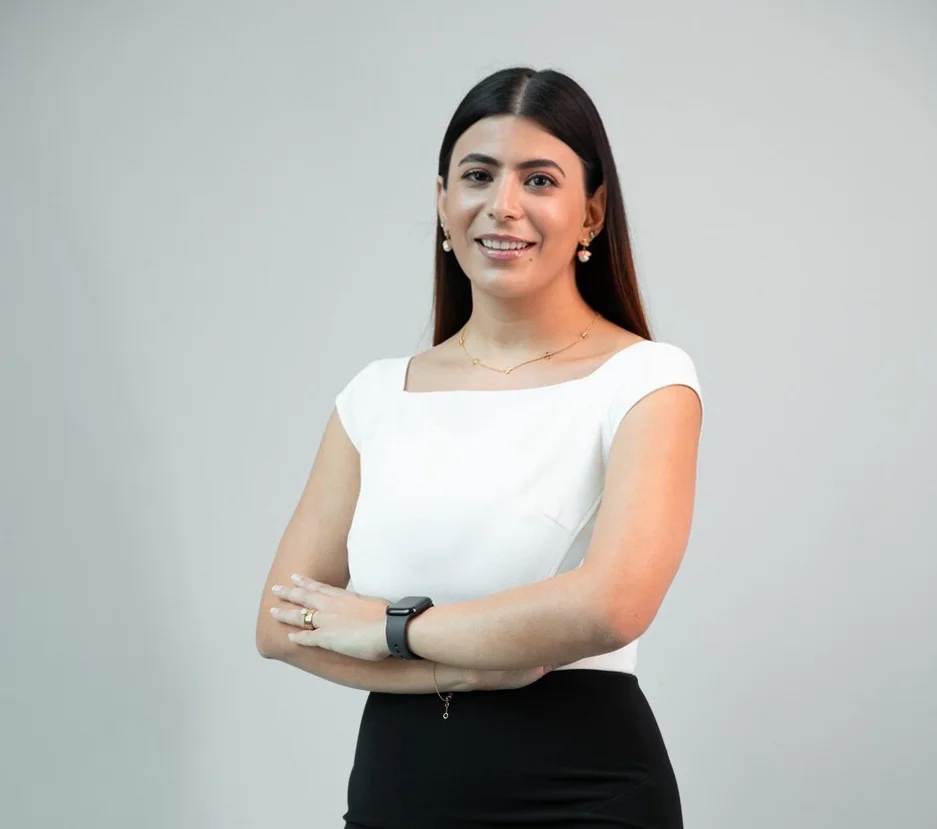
x,y
409,605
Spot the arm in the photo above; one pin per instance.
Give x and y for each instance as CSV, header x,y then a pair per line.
x,y
555,621
389,676
314,542
640,535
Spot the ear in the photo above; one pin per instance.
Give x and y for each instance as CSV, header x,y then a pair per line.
x,y
595,210
441,201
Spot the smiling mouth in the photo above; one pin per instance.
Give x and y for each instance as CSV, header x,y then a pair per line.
x,y
503,253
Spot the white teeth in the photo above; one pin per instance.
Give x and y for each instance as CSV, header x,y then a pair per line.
x,y
496,244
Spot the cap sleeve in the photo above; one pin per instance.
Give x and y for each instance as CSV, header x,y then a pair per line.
x,y
355,404
662,365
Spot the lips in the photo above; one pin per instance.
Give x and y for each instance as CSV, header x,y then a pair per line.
x,y
502,239
497,254
514,245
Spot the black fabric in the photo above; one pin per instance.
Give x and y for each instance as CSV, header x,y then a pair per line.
x,y
577,748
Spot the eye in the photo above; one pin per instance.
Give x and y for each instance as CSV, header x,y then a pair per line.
x,y
550,181
546,178
470,173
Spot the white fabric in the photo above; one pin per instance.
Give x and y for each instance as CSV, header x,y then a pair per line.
x,y
466,493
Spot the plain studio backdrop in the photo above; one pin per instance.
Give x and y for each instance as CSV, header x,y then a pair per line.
x,y
213,214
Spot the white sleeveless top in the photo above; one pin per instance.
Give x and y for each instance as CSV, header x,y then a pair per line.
x,y
466,493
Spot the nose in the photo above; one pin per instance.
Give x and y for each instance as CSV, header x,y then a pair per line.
x,y
503,203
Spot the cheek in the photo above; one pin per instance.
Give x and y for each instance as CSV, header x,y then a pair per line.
x,y
463,204
556,224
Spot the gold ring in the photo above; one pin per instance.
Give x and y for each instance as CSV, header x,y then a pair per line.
x,y
307,618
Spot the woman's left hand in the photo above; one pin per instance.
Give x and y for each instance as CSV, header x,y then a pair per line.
x,y
343,621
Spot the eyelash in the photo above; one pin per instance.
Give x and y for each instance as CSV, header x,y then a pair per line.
x,y
535,175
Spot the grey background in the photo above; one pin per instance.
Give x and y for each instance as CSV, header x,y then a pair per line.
x,y
213,214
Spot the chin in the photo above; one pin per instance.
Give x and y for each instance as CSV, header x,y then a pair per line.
x,y
505,284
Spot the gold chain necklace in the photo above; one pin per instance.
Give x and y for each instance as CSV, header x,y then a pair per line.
x,y
477,362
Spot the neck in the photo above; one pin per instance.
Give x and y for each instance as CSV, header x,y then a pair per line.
x,y
518,328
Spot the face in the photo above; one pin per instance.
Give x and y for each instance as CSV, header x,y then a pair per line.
x,y
508,176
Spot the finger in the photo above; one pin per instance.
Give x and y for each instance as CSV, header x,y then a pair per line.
x,y
289,615
312,584
296,595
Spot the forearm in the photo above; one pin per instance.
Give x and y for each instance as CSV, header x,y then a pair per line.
x,y
389,676
555,621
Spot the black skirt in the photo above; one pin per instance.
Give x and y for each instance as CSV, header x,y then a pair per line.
x,y
577,748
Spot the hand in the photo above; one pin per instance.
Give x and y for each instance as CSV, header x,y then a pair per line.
x,y
343,621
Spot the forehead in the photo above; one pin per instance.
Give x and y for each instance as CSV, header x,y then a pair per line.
x,y
511,138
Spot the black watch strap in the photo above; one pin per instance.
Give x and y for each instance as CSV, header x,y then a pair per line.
x,y
398,617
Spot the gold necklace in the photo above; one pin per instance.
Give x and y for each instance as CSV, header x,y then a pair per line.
x,y
477,362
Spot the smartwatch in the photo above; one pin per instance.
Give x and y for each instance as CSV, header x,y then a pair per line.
x,y
398,615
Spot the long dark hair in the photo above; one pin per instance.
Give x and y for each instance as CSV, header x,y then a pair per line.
x,y
560,106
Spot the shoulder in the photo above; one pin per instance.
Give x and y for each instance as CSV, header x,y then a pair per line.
x,y
358,401
660,356
439,366
639,357
644,368
635,359
374,372
608,338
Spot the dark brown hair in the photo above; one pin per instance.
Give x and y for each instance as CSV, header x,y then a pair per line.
x,y
561,107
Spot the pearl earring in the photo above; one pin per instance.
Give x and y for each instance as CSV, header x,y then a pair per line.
x,y
446,244
585,254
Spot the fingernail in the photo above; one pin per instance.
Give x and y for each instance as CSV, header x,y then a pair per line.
x,y
277,588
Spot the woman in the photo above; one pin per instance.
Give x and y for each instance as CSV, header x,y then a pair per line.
x,y
517,497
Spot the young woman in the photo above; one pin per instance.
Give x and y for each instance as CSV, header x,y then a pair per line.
x,y
514,499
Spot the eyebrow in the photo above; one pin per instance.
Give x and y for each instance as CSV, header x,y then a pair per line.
x,y
481,158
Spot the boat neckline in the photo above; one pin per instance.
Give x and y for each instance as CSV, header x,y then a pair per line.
x,y
405,363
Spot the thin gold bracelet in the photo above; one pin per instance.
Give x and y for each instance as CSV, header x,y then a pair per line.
x,y
446,698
